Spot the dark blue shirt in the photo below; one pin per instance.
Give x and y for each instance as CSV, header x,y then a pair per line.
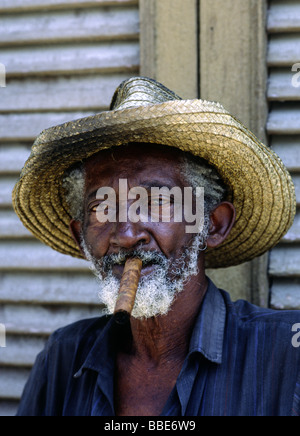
x,y
242,360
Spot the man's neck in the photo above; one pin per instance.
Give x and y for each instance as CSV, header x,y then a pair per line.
x,y
149,364
166,338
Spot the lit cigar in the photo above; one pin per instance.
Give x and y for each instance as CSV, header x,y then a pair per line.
x,y
128,287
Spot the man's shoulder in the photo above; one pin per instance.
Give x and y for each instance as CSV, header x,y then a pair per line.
x,y
250,313
280,324
80,331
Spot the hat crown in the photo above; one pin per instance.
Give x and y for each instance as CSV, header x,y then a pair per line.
x,y
140,91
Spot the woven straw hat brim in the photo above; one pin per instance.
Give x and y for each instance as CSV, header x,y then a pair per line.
x,y
261,188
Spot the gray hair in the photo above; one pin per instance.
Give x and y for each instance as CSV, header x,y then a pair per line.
x,y
197,172
73,184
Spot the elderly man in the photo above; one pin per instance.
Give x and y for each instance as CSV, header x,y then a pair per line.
x,y
128,183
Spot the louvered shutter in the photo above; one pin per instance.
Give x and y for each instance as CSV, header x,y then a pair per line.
x,y
64,59
284,130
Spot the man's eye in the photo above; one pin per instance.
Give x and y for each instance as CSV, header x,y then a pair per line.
x,y
160,201
101,207
96,207
93,207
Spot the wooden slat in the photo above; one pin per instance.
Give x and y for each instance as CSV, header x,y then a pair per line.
x,y
35,256
43,319
286,294
63,94
281,86
11,227
12,158
6,187
95,24
284,119
49,288
288,148
31,124
285,261
284,16
42,5
8,408
12,382
21,351
293,234
63,59
284,50
296,180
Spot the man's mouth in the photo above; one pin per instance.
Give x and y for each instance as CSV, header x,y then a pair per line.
x,y
150,259
147,269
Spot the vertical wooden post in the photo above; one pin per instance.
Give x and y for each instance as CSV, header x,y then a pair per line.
x,y
169,44
215,50
233,50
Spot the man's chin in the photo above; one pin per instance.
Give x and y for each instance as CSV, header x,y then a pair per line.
x,y
154,296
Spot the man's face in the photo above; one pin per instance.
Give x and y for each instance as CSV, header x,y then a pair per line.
x,y
168,252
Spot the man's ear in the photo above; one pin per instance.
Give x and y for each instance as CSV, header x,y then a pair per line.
x,y
222,220
76,232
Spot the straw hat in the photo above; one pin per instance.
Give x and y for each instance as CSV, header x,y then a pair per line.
x,y
143,110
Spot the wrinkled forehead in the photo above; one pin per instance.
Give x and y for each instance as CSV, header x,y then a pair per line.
x,y
135,161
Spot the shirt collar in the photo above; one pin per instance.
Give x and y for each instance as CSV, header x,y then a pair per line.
x,y
101,356
208,333
207,336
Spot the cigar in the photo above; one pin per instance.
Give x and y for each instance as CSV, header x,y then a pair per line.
x,y
127,292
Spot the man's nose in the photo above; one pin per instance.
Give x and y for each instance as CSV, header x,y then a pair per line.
x,y
129,235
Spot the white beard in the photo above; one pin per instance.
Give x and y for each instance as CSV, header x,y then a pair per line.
x,y
154,295
156,292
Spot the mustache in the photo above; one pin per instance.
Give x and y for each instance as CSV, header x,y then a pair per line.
x,y
147,257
